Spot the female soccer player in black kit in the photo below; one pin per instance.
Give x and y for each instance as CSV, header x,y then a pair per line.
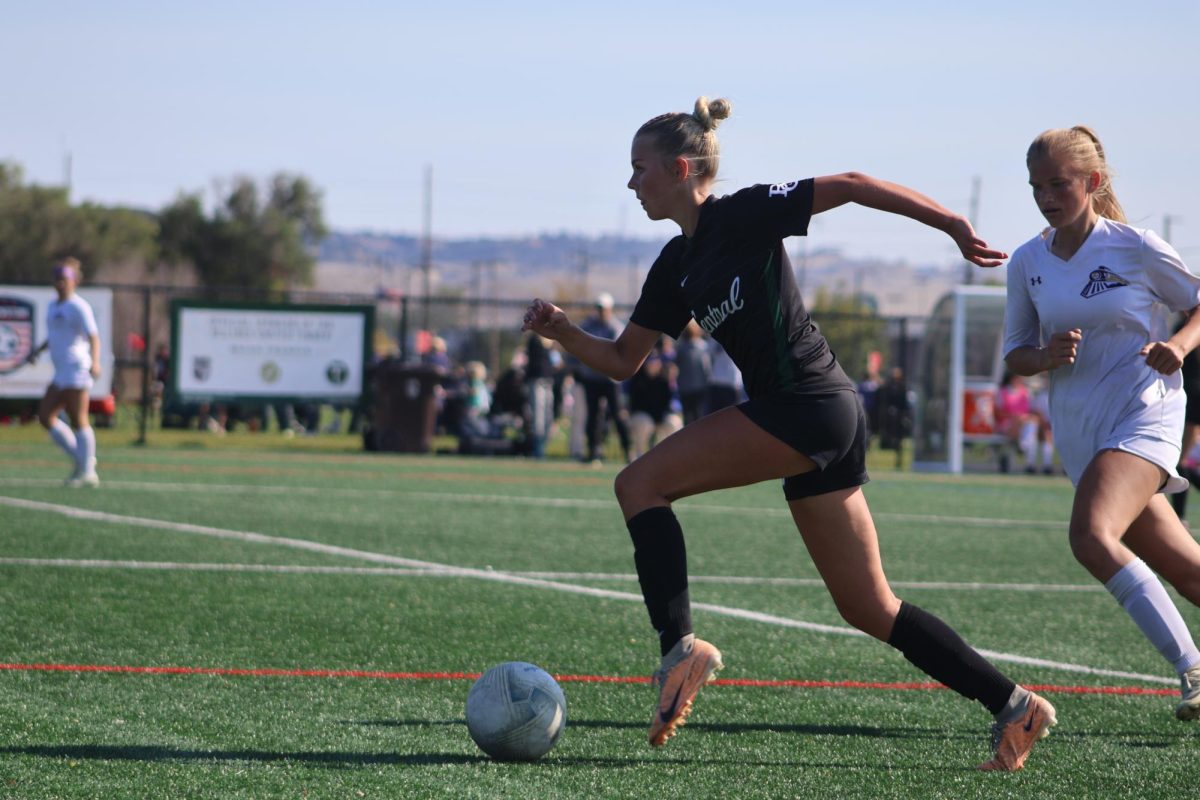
x,y
803,421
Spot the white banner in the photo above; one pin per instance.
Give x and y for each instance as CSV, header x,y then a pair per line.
x,y
23,329
269,352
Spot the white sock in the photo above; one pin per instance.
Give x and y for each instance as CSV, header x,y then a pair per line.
x,y
85,451
1141,594
62,435
1047,454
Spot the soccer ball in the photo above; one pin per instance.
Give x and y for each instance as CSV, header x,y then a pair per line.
x,y
516,712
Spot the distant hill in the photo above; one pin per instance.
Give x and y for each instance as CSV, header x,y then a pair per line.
x,y
541,252
516,268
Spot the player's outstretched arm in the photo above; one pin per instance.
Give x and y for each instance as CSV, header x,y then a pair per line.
x,y
617,359
831,191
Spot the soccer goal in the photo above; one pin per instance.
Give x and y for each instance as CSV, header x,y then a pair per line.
x,y
958,372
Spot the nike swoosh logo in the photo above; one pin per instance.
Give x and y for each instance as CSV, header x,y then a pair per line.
x,y
683,282
666,715
1029,723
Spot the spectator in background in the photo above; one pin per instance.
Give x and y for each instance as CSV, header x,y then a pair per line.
x,y
600,391
539,393
478,399
693,363
724,381
74,342
868,392
1016,421
894,408
438,355
650,400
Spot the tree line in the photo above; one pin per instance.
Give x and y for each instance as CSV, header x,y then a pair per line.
x,y
258,236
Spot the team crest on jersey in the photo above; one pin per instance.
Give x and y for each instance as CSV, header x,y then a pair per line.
x,y
1101,280
16,333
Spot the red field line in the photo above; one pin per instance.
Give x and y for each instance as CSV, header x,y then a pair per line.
x,y
470,676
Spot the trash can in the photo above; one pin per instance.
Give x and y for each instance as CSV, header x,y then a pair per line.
x,y
405,413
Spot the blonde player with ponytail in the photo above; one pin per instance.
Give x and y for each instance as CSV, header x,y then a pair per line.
x,y
1090,302
803,422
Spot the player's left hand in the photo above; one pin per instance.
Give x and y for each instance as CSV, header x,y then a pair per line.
x,y
1163,357
96,370
973,248
545,319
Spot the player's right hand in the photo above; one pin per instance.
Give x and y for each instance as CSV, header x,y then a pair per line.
x,y
1062,348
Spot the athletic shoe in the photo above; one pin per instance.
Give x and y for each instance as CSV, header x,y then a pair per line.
x,y
1014,734
69,481
1189,707
87,480
690,664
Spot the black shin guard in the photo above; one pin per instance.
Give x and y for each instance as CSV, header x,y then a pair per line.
x,y
939,652
661,560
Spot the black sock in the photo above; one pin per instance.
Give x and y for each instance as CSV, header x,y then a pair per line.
x,y
941,653
661,560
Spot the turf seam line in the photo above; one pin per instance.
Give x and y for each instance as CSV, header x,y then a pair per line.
x,y
269,672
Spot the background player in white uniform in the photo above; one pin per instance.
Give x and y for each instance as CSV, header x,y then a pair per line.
x,y
74,343
1090,301
728,270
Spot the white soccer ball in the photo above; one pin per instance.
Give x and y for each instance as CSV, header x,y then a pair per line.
x,y
516,711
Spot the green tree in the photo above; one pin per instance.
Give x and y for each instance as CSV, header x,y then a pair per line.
x,y
38,224
254,239
852,326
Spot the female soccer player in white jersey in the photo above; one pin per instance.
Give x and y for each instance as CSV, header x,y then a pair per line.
x,y
803,421
1089,302
74,343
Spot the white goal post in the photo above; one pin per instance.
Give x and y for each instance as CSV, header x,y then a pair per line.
x,y
958,372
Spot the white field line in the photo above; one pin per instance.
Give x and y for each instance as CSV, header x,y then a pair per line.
x,y
599,577
514,579
539,502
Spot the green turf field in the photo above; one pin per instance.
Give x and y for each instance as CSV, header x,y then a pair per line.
x,y
311,601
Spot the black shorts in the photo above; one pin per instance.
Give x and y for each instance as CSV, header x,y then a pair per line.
x,y
831,429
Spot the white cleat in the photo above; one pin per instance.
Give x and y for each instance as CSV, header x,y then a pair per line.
x,y
89,480
1189,707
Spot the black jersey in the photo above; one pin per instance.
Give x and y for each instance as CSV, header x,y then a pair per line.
x,y
734,278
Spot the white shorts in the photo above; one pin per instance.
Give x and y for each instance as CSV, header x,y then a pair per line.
x,y
1153,431
73,378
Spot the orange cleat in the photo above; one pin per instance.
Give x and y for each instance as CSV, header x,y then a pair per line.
x,y
691,663
1013,739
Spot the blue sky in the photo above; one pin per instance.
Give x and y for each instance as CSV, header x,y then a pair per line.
x,y
525,109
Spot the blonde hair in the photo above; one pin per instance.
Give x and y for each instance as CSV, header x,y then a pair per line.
x,y
1081,147
691,136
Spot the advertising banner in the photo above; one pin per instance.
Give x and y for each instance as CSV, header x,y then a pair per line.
x,y
268,353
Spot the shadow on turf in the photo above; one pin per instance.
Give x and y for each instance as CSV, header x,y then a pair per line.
x,y
338,760
757,727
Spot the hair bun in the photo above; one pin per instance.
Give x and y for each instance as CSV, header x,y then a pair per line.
x,y
710,113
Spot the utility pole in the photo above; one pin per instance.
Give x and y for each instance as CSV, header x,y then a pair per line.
x,y
1166,226
584,266
427,242
973,217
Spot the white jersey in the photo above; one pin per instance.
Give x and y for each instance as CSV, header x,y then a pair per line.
x,y
70,324
1120,289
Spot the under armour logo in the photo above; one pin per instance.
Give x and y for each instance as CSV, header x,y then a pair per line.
x,y
1035,281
